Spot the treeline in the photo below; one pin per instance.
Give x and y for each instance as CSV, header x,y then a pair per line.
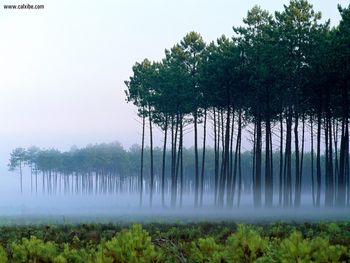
x,y
111,169
282,79
100,169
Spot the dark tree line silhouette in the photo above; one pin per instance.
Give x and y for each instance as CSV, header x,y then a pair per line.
x,y
283,78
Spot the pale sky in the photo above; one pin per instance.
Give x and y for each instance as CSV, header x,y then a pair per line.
x,y
62,69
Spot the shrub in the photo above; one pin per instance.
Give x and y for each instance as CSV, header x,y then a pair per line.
x,y
34,250
3,255
297,249
72,255
206,250
246,245
128,246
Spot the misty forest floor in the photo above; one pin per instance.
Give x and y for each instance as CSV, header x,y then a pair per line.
x,y
224,241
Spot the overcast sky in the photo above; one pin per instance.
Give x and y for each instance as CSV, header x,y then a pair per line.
x,y
62,69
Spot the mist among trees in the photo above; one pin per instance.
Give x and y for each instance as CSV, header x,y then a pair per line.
x,y
280,84
281,77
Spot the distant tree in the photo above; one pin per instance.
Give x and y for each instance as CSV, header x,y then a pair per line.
x,y
17,159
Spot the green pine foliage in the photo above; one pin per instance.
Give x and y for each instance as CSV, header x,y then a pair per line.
x,y
34,250
132,246
297,249
3,255
206,250
192,242
73,255
246,245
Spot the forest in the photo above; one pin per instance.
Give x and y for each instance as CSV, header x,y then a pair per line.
x,y
278,88
280,82
243,153
111,169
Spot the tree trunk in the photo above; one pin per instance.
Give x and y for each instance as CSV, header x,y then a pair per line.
x,y
151,153
312,163
302,158
318,160
268,170
203,158
288,163
230,179
142,153
254,162
173,161
297,162
281,163
239,140
329,194
268,152
163,160
216,153
257,190
181,164
196,159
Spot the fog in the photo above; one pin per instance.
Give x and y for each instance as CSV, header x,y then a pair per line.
x,y
38,208
62,84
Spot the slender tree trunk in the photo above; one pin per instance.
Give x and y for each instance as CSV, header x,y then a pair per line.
x,y
347,164
142,154
312,163
177,163
239,141
336,166
297,162
257,190
163,160
281,163
302,158
216,153
196,159
268,170
236,163
271,166
254,162
151,153
173,162
329,195
222,170
227,153
225,161
230,179
288,167
318,160
203,158
181,164
268,152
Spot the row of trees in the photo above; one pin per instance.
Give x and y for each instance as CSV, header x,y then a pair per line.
x,y
110,169
282,80
96,169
